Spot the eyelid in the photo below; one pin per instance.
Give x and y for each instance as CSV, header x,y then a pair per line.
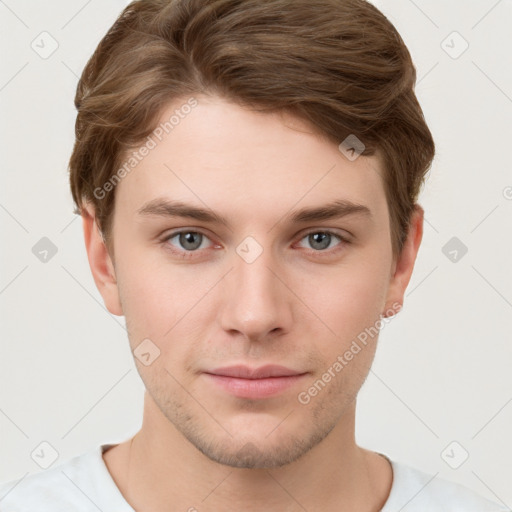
x,y
172,234
187,229
183,253
341,233
343,240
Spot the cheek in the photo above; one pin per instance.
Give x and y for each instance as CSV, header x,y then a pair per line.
x,y
350,305
349,300
166,303
149,299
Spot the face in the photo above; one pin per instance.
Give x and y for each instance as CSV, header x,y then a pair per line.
x,y
245,239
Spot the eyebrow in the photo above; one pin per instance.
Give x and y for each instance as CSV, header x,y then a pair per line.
x,y
334,210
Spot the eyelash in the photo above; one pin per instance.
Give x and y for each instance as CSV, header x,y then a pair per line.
x,y
184,254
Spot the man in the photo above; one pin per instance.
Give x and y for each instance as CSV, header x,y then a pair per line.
x,y
247,174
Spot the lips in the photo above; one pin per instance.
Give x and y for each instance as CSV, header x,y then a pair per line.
x,y
254,383
263,372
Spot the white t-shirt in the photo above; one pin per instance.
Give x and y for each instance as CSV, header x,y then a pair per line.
x,y
84,484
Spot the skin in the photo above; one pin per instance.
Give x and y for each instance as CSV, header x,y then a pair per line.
x,y
300,304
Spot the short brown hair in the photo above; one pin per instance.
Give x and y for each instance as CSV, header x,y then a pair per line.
x,y
340,65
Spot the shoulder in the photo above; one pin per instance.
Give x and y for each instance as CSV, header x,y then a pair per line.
x,y
51,489
415,491
80,484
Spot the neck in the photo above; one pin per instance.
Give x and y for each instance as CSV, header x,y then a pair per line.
x,y
159,469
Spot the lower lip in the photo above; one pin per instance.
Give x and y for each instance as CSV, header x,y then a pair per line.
x,y
255,388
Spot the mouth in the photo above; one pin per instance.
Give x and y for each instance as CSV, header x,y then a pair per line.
x,y
254,383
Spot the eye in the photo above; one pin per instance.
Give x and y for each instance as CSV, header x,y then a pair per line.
x,y
186,241
322,240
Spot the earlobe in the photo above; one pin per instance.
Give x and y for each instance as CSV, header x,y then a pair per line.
x,y
404,264
100,262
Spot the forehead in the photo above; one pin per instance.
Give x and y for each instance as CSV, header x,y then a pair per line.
x,y
227,157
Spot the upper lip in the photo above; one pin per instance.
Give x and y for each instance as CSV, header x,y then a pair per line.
x,y
246,372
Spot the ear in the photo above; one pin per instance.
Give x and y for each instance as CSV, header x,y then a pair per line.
x,y
404,263
101,264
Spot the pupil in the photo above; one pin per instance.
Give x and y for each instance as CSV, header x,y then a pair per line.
x,y
187,239
322,238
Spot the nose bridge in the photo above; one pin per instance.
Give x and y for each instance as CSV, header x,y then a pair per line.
x,y
256,302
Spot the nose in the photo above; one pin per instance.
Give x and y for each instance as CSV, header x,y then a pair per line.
x,y
257,304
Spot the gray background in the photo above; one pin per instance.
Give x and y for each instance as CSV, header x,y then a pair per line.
x,y
442,370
